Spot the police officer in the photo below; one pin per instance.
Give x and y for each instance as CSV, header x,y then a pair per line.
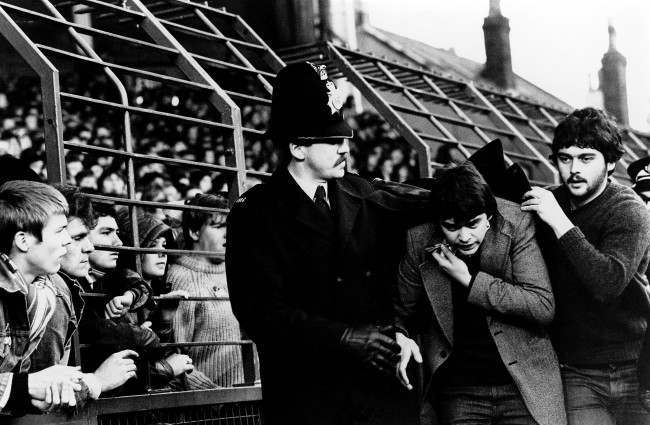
x,y
311,258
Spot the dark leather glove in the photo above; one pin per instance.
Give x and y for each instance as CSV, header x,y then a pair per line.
x,y
374,346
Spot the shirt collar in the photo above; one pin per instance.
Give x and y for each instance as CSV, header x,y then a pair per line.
x,y
309,186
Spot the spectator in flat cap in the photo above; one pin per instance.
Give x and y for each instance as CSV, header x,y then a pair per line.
x,y
310,261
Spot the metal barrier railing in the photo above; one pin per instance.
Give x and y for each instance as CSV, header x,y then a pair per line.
x,y
199,51
440,111
434,112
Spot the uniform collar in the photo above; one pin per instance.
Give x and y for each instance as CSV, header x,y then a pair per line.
x,y
309,186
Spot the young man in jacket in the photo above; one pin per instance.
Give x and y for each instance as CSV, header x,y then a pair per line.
x,y
55,346
596,249
33,240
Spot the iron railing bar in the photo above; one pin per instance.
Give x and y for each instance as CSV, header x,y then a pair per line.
x,y
420,107
258,173
253,131
209,35
127,69
397,65
206,343
394,119
89,30
114,105
191,344
156,204
49,83
200,6
451,120
476,146
525,100
518,135
230,112
108,6
256,99
141,250
143,157
217,62
158,297
239,55
442,98
636,139
528,120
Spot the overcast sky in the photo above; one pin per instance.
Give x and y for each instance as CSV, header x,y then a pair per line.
x,y
556,44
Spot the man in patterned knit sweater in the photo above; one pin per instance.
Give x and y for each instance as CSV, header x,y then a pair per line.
x,y
201,321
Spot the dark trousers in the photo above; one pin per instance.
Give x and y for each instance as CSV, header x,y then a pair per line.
x,y
494,405
604,395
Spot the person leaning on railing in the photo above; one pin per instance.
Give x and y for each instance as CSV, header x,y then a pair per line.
x,y
201,276
55,346
33,239
171,368
106,326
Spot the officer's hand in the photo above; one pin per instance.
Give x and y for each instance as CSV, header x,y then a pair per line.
x,y
373,346
408,349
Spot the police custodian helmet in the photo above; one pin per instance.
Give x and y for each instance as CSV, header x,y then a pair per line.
x,y
305,106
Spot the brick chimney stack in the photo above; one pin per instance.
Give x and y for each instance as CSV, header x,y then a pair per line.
x,y
498,62
612,80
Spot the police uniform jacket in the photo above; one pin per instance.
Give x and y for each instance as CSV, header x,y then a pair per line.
x,y
297,279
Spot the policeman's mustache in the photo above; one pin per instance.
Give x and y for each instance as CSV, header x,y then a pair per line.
x,y
341,159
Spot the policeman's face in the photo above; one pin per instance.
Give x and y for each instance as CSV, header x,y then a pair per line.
x,y
324,161
583,171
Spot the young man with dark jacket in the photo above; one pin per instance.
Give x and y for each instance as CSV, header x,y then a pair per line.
x,y
597,245
55,346
33,240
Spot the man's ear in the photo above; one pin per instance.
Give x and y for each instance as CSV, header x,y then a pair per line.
x,y
194,235
610,167
23,241
297,151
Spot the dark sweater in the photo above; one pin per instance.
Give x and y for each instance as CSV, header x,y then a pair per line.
x,y
596,270
475,359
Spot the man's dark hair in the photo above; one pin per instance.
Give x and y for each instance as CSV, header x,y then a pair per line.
x,y
79,206
460,193
102,209
194,220
589,128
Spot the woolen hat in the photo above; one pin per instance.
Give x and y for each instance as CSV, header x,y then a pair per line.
x,y
305,106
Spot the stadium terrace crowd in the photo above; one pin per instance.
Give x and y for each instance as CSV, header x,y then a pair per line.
x,y
474,298
376,151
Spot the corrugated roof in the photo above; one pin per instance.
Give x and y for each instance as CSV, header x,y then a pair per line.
x,y
446,63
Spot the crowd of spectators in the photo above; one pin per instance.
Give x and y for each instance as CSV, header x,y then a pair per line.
x,y
123,333
377,151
